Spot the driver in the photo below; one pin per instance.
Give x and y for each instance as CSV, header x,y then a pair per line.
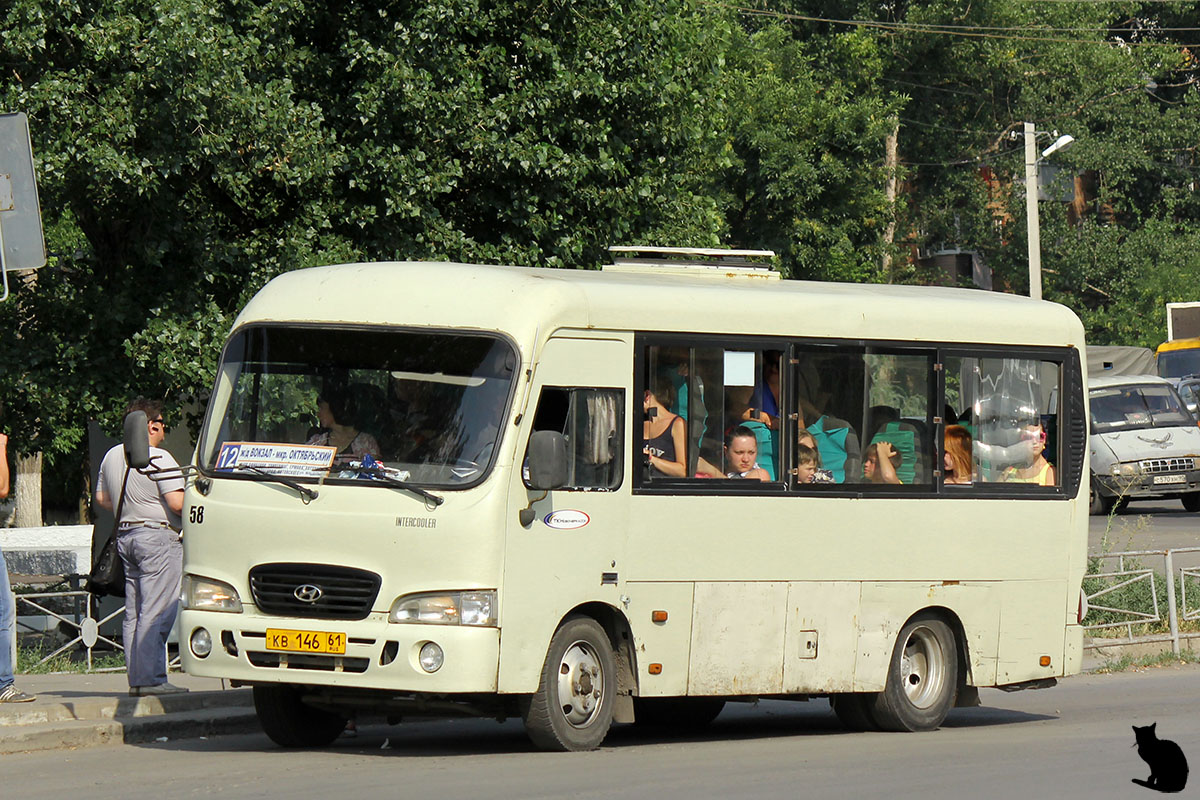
x,y
335,412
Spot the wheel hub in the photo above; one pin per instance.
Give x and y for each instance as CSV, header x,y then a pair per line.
x,y
923,667
580,684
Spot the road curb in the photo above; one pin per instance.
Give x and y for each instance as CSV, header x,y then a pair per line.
x,y
94,721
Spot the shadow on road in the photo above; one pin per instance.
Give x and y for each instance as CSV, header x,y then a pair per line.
x,y
771,719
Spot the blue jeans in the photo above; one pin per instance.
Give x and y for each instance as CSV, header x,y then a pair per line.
x,y
8,626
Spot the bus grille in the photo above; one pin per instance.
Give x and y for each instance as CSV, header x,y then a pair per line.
x,y
1154,466
342,592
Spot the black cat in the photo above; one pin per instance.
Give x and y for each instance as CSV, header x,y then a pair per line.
x,y
1168,767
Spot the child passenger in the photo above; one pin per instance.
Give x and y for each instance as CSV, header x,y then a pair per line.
x,y
880,462
741,455
808,464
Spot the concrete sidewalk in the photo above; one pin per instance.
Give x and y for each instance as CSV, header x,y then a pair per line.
x,y
83,710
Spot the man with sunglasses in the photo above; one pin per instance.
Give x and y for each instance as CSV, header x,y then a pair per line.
x,y
9,693
148,542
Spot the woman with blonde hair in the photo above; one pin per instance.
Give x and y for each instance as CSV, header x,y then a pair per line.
x,y
958,461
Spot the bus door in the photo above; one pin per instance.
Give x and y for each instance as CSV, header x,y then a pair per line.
x,y
572,552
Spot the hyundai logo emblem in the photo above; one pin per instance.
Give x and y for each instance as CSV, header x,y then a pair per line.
x,y
307,593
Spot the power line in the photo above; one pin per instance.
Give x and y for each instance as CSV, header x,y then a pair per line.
x,y
966,31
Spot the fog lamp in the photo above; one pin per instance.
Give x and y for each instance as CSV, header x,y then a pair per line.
x,y
201,643
431,657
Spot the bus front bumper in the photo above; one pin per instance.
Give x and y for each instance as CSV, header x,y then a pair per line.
x,y
378,654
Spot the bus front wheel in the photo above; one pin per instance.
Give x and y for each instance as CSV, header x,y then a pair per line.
x,y
1191,501
289,722
922,678
573,706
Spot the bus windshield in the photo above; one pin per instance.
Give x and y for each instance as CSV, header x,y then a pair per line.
x,y
1130,407
423,408
1179,363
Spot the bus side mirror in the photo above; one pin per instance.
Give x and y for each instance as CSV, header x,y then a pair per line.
x,y
137,440
547,460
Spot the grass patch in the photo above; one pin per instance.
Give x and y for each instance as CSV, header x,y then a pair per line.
x,y
70,661
1164,659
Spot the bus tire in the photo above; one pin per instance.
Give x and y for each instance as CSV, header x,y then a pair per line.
x,y
854,710
1191,501
289,722
1098,504
676,713
573,706
922,677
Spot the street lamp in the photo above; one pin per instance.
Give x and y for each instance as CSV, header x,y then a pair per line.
x,y
1031,203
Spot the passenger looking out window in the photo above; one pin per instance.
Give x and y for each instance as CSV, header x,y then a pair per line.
x,y
663,435
1038,470
880,462
958,460
741,455
808,462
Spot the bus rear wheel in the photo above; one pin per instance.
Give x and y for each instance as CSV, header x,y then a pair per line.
x,y
573,706
676,713
922,677
289,722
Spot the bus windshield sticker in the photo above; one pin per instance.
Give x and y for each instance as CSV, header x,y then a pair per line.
x,y
279,459
567,519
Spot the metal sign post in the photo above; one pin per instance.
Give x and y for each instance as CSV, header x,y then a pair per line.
x,y
22,245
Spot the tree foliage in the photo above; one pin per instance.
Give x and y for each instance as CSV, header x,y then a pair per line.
x,y
189,150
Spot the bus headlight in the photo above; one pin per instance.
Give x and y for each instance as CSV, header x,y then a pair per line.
x,y
1125,470
446,608
206,594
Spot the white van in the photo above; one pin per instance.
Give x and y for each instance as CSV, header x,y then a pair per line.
x,y
1144,442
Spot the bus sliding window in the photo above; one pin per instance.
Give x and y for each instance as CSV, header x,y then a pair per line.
x,y
1010,409
697,400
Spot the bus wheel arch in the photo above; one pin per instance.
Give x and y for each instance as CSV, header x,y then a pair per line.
x,y
574,705
923,673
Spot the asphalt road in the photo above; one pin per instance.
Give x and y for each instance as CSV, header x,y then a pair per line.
x,y
1073,741
1147,525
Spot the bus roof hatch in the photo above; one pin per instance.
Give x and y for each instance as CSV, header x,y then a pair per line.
x,y
714,262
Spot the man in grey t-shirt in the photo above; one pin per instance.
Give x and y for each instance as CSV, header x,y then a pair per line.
x,y
150,549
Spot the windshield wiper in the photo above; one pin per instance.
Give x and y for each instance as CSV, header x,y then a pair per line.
x,y
378,474
306,494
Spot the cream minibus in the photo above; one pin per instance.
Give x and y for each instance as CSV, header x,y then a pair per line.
x,y
632,495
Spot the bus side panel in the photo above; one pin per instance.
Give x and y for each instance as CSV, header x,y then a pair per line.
x,y
821,639
665,643
887,606
737,638
1032,627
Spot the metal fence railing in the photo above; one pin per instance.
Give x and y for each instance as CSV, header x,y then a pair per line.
x,y
81,621
1123,579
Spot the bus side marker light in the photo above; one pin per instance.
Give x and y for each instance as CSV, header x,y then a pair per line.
x,y
656,669
658,616
1044,661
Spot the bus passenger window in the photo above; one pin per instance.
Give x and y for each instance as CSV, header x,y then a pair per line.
x,y
591,420
1009,409
829,382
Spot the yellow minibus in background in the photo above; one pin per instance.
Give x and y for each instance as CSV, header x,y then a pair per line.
x,y
632,495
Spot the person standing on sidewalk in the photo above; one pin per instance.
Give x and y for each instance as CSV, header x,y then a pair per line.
x,y
148,542
9,693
